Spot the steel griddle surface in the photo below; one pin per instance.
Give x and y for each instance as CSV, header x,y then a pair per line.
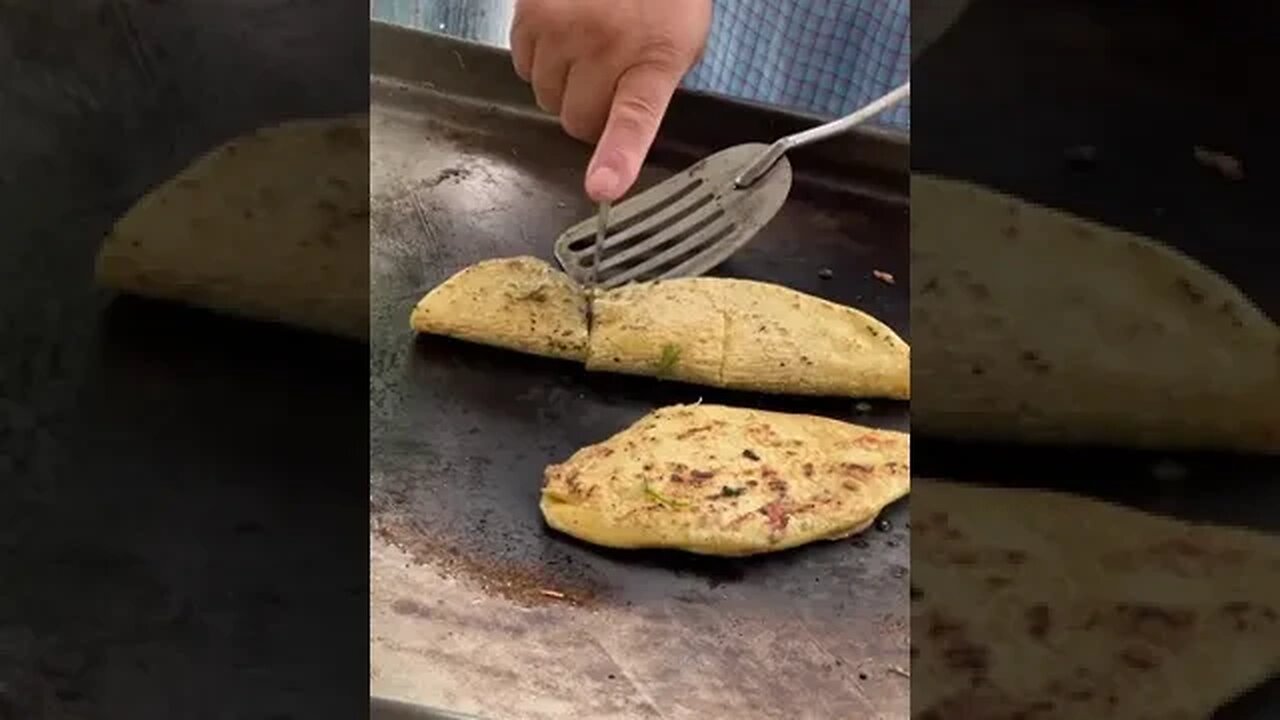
x,y
461,435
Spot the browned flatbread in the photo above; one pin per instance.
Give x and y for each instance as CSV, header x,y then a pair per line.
x,y
517,303
718,480
720,332
747,335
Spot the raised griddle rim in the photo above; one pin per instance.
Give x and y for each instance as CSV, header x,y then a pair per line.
x,y
878,159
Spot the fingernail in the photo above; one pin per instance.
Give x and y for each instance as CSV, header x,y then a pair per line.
x,y
602,184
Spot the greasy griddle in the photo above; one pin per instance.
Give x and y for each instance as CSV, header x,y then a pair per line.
x,y
464,169
1086,75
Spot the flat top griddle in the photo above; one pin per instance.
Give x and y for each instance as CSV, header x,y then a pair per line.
x,y
477,606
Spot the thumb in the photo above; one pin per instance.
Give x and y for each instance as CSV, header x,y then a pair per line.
x,y
639,102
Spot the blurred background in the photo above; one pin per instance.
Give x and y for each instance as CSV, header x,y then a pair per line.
x,y
485,21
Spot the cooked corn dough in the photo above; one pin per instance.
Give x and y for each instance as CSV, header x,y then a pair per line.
x,y
747,335
1042,327
1040,604
519,303
273,225
718,480
676,334
730,333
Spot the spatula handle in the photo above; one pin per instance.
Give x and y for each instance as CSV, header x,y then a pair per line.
x,y
771,156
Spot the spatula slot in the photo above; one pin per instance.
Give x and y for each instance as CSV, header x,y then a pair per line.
x,y
700,251
611,266
587,241
649,233
701,247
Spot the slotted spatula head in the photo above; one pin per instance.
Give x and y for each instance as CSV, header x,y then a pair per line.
x,y
681,227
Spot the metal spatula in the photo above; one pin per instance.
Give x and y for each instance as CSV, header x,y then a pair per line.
x,y
694,220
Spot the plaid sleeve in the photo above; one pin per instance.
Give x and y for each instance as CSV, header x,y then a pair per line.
x,y
827,57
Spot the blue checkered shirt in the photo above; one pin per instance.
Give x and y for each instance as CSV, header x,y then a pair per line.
x,y
827,57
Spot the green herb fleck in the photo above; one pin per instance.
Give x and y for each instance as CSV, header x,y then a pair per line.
x,y
669,502
670,356
727,491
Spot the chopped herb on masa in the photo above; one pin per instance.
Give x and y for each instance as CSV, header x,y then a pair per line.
x,y
727,491
670,356
669,502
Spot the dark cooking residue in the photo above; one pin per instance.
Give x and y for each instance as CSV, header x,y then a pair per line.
x,y
523,584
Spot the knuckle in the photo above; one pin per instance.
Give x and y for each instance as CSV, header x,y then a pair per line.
x,y
664,54
636,112
600,30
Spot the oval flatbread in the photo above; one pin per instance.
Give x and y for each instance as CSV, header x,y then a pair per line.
x,y
718,480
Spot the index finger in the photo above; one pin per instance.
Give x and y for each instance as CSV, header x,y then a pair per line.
x,y
640,100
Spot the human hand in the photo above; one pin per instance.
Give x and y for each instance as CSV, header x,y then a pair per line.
x,y
608,69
